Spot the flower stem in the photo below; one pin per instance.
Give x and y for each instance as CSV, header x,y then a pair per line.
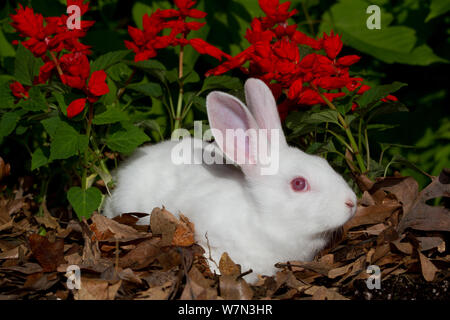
x,y
178,117
353,144
58,67
86,152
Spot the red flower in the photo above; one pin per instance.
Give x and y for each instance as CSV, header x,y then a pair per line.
x,y
347,61
76,107
76,70
332,44
31,25
301,38
295,89
54,35
203,47
276,12
184,11
148,41
331,83
97,85
18,90
389,98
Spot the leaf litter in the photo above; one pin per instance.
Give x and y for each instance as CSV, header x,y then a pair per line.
x,y
394,228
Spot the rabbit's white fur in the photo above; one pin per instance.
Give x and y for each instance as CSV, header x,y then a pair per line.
x,y
258,219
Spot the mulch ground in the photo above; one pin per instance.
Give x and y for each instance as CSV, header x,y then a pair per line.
x,y
395,229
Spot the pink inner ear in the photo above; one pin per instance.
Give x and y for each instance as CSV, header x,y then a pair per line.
x,y
263,106
227,112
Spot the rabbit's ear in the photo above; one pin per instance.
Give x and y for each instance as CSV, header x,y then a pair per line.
x,y
234,129
262,105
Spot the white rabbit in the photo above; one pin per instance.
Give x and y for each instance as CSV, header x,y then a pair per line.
x,y
259,220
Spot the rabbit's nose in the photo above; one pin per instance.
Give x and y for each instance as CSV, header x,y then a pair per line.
x,y
349,203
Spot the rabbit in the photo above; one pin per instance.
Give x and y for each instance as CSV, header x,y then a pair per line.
x,y
258,219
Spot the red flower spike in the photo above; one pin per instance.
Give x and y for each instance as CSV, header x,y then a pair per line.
x,y
97,84
295,89
275,12
389,98
202,47
348,60
76,107
84,7
76,70
18,90
332,44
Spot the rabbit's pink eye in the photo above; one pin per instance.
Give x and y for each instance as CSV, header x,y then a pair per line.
x,y
299,184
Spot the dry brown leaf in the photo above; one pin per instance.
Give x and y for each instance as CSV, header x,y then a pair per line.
x,y
234,289
366,200
162,292
129,275
27,268
184,233
371,215
142,256
376,229
49,255
198,287
13,253
47,219
319,267
323,293
173,231
404,247
405,189
96,289
428,268
327,259
227,266
428,243
427,218
110,230
337,272
40,281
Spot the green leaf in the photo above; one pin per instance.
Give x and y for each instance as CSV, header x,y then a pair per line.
x,y
51,124
6,97
111,115
437,8
66,141
84,202
381,126
191,77
7,50
38,159
108,60
323,116
8,123
389,44
151,67
377,93
61,102
26,66
36,101
150,89
126,139
221,82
